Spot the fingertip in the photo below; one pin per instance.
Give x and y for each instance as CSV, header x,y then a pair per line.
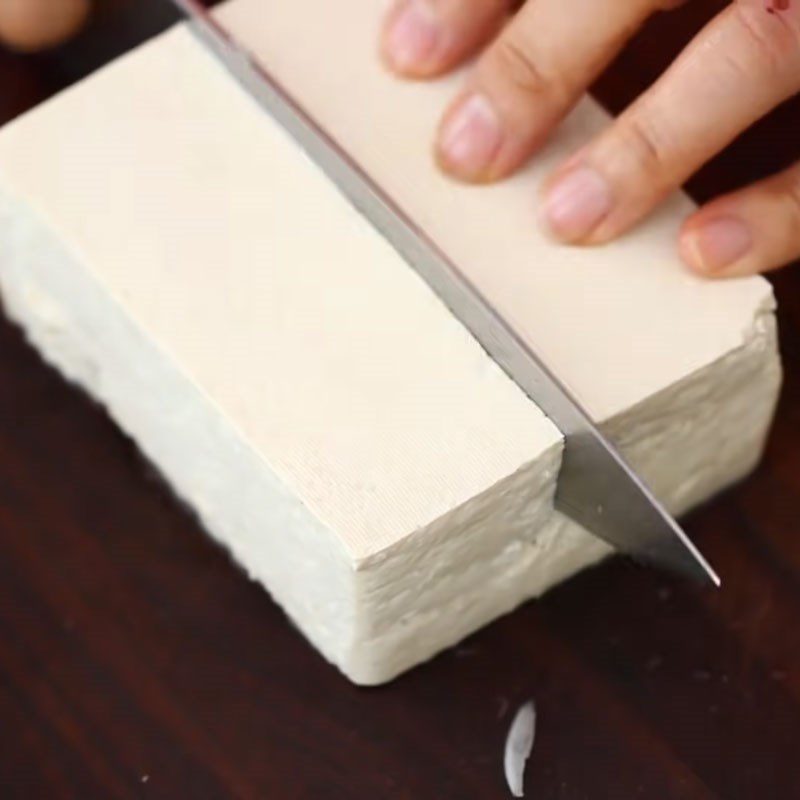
x,y
717,246
575,203
409,38
469,139
38,24
425,39
688,249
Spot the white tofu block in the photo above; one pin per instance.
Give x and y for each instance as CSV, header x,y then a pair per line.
x,y
166,246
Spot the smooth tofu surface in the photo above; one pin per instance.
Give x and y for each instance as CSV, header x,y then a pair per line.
x,y
618,323
231,251
168,248
361,391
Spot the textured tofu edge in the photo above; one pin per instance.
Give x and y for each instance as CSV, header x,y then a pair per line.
x,y
380,616
688,442
81,330
199,451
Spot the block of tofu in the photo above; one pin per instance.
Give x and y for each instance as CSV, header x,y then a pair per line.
x,y
167,247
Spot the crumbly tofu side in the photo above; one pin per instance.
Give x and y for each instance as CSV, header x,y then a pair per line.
x,y
168,248
302,389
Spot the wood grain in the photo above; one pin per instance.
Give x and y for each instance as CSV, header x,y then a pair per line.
x,y
136,660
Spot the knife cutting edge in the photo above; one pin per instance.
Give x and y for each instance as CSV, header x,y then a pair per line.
x,y
596,487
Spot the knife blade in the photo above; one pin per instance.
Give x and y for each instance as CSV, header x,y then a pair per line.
x,y
596,486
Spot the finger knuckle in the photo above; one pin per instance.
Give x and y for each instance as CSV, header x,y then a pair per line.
x,y
643,144
512,60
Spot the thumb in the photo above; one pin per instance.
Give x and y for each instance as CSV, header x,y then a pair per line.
x,y
30,25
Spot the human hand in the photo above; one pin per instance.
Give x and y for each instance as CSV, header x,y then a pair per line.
x,y
30,25
534,69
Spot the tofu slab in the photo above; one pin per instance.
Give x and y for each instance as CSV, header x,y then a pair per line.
x,y
167,247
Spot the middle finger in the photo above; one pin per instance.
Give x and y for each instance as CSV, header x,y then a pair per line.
x,y
529,78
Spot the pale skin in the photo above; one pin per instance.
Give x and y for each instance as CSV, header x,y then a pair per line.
x,y
30,25
532,67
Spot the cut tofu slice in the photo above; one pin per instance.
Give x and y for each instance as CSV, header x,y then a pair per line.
x,y
170,249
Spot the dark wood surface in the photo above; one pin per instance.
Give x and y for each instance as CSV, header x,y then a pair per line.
x,y
136,660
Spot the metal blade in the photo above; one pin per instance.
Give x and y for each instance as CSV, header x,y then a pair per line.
x,y
596,487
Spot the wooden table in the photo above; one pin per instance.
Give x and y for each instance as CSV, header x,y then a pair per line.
x,y
136,660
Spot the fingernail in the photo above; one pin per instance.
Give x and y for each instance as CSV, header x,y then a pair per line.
x,y
470,137
576,203
717,245
412,35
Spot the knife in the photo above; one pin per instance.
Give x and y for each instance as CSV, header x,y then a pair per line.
x,y
596,487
